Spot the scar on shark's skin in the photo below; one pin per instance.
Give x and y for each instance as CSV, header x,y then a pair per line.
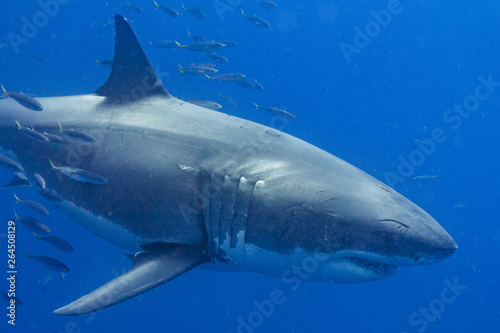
x,y
390,220
384,188
331,199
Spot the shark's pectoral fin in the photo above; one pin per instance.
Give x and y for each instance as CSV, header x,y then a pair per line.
x,y
158,264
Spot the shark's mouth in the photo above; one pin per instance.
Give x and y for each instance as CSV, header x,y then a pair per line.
x,y
374,266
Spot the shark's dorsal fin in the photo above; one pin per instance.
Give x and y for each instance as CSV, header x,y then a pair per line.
x,y
132,76
151,268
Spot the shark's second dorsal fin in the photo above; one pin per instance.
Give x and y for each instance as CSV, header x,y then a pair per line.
x,y
132,76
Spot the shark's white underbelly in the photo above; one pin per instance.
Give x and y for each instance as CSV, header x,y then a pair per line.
x,y
300,265
103,227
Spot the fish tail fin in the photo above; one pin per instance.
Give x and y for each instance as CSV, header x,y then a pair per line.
x,y
17,199
97,61
15,213
128,255
242,12
189,34
182,4
18,125
208,77
52,166
414,181
178,44
27,255
256,105
150,43
36,236
4,91
179,68
156,5
60,127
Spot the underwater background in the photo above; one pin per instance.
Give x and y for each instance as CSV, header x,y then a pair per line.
x,y
369,81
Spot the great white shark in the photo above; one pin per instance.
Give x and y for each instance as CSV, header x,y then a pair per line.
x,y
183,186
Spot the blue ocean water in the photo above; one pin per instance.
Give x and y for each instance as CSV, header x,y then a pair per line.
x,y
365,79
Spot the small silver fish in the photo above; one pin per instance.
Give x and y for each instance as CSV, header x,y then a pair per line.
x,y
49,262
267,4
50,195
33,224
230,100
132,8
33,204
252,83
229,43
108,63
425,177
56,242
219,57
197,69
196,38
205,104
39,180
169,10
32,134
165,44
38,58
228,77
76,135
205,47
10,163
25,100
461,205
55,140
196,12
257,20
276,111
80,175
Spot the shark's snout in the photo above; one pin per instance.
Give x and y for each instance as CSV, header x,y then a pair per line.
x,y
436,249
425,240
444,253
387,228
